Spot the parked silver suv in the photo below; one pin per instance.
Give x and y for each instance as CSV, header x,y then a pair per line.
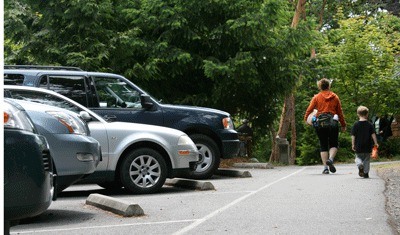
x,y
138,157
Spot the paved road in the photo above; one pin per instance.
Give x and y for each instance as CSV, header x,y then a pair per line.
x,y
283,200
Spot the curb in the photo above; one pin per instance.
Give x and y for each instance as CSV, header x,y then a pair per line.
x,y
233,173
114,205
192,184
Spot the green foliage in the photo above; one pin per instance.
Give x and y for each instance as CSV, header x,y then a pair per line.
x,y
345,152
359,57
389,148
262,148
240,56
59,32
308,147
310,151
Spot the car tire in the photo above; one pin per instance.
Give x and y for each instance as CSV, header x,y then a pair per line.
x,y
143,171
211,157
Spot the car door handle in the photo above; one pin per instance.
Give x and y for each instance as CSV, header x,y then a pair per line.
x,y
110,117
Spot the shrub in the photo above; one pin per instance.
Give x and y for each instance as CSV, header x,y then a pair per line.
x,y
308,148
345,153
389,148
262,148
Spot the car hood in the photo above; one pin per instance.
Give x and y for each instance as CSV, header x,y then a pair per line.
x,y
136,127
196,108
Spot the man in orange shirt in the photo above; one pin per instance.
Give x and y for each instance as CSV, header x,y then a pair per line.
x,y
328,105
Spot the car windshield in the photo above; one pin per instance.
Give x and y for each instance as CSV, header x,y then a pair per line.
x,y
115,93
42,98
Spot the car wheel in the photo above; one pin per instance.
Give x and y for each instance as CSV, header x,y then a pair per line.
x,y
143,171
211,157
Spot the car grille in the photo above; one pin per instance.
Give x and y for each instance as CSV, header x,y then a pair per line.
x,y
47,160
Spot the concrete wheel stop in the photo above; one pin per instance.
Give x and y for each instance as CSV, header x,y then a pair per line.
x,y
192,184
114,205
254,165
233,173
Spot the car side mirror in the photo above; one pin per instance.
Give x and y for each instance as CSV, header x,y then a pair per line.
x,y
85,116
146,101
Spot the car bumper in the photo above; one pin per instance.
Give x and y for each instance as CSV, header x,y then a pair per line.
x,y
74,157
186,160
230,144
27,185
184,172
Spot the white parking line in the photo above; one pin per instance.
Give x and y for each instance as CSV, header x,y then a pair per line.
x,y
209,216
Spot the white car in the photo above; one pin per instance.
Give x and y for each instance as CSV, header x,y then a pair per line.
x,y
137,157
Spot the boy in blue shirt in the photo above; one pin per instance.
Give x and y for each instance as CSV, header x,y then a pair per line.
x,y
363,138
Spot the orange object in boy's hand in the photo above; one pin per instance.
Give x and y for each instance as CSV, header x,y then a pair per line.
x,y
374,154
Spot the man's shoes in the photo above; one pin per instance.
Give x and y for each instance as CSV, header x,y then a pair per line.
x,y
361,170
331,166
326,171
366,175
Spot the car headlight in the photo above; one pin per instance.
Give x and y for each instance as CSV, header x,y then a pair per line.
x,y
185,140
73,124
16,119
227,123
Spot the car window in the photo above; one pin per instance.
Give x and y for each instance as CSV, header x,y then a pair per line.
x,y
42,98
13,79
116,93
73,87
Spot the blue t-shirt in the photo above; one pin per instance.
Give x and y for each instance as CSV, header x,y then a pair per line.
x,y
363,130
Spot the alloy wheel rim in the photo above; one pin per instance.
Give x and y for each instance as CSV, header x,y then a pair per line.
x,y
207,158
145,171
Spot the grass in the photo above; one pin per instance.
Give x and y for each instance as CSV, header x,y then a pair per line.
x,y
395,165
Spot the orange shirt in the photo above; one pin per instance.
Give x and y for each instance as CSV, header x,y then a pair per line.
x,y
326,102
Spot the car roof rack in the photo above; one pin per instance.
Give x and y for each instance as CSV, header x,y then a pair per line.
x,y
42,67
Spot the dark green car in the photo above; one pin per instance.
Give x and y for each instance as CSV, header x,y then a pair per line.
x,y
28,174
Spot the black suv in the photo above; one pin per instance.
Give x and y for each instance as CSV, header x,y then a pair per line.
x,y
118,99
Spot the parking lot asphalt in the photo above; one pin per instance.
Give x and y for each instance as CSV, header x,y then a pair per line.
x,y
125,209
283,200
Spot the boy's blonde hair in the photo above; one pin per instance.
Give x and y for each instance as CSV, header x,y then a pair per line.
x,y
362,111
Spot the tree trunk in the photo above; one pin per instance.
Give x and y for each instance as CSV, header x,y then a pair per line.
x,y
320,22
274,146
299,13
292,158
288,112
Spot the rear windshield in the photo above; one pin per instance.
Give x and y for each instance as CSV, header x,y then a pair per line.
x,y
13,79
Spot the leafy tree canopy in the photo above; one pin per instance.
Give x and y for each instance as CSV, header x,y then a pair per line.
x,y
236,55
360,58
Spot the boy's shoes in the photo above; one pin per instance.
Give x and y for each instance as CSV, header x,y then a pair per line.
x,y
332,168
361,171
366,175
326,171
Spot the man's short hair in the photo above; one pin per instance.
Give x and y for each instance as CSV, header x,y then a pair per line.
x,y
362,111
